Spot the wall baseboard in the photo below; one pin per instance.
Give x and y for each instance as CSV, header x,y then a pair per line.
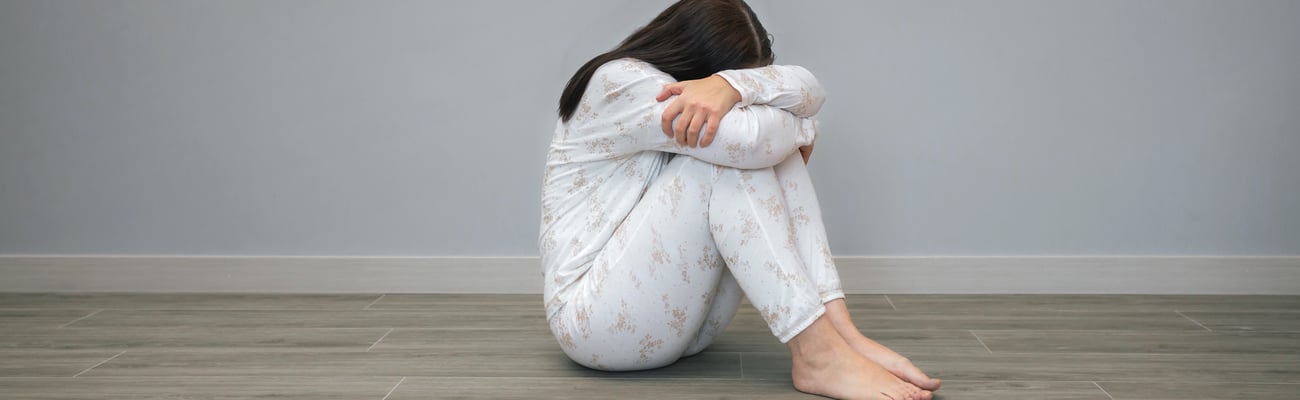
x,y
940,275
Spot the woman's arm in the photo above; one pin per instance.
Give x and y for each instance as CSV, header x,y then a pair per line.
x,y
700,103
703,102
620,116
757,136
788,87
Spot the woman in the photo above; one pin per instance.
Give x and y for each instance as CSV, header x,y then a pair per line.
x,y
675,181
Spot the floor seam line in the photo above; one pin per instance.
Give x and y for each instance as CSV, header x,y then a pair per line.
x,y
1198,323
977,337
390,391
381,297
100,363
1103,390
78,319
742,365
381,338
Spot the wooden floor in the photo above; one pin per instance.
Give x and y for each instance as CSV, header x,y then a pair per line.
x,y
233,346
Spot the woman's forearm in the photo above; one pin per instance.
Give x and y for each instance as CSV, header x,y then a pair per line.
x,y
758,136
788,87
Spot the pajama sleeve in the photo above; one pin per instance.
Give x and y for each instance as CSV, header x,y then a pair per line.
x,y
751,137
620,116
788,87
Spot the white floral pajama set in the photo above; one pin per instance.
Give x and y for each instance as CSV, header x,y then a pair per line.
x,y
647,246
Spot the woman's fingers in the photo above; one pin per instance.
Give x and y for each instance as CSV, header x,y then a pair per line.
x,y
694,117
696,126
674,109
670,90
693,132
683,124
711,129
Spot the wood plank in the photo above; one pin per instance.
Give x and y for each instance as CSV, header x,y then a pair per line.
x,y
993,302
434,318
1248,321
593,389
199,387
186,301
256,339
49,362
1001,390
1160,390
460,364
1140,342
1225,368
13,320
511,302
536,339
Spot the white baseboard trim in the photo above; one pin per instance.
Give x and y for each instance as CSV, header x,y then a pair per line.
x,y
940,275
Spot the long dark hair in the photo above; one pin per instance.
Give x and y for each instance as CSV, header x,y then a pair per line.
x,y
692,39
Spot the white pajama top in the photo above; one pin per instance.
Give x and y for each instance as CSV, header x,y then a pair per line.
x,y
601,161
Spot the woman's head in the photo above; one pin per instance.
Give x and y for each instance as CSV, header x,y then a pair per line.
x,y
692,39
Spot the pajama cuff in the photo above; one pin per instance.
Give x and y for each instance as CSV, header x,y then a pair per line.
x,y
746,93
832,295
803,324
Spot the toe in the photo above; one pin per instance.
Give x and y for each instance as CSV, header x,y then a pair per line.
x,y
916,377
912,392
902,392
927,383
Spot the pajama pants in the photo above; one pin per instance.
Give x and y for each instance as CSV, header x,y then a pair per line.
x,y
671,278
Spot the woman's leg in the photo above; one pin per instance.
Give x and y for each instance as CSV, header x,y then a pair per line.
x,y
725,302
653,289
810,240
807,230
767,226
658,291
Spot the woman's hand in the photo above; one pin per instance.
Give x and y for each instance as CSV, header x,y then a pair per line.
x,y
701,103
806,152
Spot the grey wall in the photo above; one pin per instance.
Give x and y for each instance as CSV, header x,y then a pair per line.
x,y
419,127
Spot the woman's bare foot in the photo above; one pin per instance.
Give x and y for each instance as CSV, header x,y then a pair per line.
x,y
895,363
824,364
